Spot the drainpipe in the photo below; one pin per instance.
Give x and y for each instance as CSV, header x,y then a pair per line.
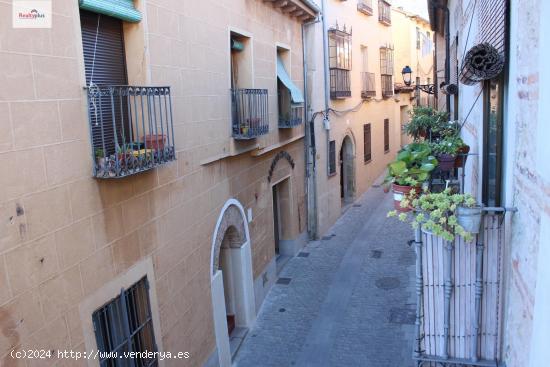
x,y
447,58
326,121
310,150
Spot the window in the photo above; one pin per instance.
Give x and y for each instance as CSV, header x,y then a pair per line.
x,y
332,158
124,139
125,325
386,70
492,145
417,38
364,6
384,12
290,100
386,135
339,62
367,155
368,87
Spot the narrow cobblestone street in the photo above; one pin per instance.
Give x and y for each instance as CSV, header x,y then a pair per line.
x,y
350,300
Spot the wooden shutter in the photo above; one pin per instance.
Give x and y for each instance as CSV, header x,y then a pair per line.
x,y
386,135
332,157
107,67
367,143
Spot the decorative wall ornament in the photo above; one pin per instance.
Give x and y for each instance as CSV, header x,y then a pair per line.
x,y
282,154
482,62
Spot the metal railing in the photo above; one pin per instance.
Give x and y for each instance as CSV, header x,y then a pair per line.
x,y
340,86
292,118
364,6
387,85
368,88
250,117
384,12
131,129
459,297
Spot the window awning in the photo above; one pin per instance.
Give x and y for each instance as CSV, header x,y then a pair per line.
x,y
295,92
120,9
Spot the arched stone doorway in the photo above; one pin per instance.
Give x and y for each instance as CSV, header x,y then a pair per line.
x,y
232,287
347,171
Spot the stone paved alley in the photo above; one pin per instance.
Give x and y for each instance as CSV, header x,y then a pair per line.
x,y
350,300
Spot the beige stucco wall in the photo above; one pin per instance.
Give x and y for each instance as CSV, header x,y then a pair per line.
x,y
64,235
406,53
367,31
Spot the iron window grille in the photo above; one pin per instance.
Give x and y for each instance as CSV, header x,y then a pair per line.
x,y
384,12
332,158
386,70
367,143
125,325
250,117
386,135
292,117
364,6
368,89
131,129
339,62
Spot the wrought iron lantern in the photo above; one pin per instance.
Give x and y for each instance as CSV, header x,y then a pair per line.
x,y
406,73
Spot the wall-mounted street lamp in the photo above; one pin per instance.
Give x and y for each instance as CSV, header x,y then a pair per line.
x,y
406,73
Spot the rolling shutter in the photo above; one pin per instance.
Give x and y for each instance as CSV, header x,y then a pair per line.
x,y
492,24
108,67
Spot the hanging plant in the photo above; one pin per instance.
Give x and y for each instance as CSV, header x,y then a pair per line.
x,y
437,213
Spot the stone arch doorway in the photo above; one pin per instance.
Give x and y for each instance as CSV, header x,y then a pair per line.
x,y
347,171
233,304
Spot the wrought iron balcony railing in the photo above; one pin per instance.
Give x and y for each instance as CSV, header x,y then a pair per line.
x,y
339,83
364,6
131,129
384,12
250,117
368,89
387,86
292,118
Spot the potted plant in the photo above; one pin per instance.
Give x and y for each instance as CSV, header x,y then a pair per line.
x,y
425,122
410,169
154,141
446,151
445,214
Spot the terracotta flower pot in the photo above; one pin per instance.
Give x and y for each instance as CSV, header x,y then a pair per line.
x,y
154,141
461,156
446,162
401,191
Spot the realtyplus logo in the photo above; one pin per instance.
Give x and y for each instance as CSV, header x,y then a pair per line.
x,y
32,13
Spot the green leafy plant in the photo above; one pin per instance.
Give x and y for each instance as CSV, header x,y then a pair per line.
x,y
99,153
436,213
424,122
412,165
448,145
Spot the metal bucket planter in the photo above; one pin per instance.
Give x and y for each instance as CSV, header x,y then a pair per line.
x,y
469,218
446,162
399,192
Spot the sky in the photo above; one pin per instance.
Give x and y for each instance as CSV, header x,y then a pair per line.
x,y
414,6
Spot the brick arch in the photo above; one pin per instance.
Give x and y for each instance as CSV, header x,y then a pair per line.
x,y
231,233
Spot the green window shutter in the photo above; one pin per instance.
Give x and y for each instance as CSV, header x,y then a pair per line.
x,y
120,9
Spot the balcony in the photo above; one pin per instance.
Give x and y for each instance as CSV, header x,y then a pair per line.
x,y
339,84
368,89
364,6
250,117
131,129
387,86
384,12
292,118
